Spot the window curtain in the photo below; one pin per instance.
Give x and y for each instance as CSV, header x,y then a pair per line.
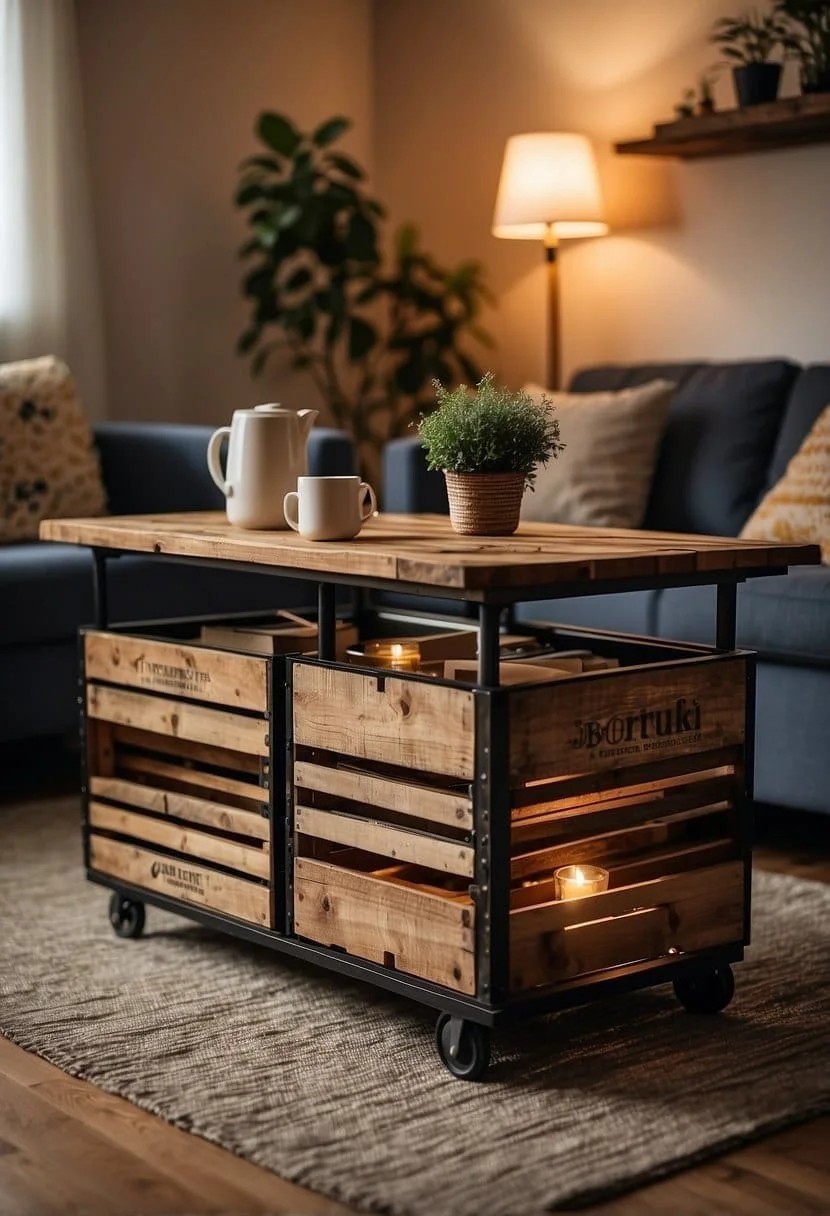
x,y
49,289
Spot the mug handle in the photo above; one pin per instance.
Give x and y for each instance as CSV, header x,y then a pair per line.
x,y
291,500
213,462
364,489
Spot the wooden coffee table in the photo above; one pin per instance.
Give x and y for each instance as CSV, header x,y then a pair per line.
x,y
404,829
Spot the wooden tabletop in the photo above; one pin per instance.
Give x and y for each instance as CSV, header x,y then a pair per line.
x,y
424,550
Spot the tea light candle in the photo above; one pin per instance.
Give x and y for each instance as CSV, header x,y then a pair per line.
x,y
572,882
402,656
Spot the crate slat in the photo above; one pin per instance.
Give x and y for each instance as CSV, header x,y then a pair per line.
x,y
178,718
181,806
384,718
187,881
420,933
192,778
419,801
418,848
685,912
613,719
247,859
200,673
189,750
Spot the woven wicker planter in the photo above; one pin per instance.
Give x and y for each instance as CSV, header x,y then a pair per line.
x,y
485,504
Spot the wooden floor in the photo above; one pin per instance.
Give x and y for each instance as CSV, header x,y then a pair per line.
x,y
68,1149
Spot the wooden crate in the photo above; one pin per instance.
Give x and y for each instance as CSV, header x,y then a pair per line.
x,y
638,769
179,771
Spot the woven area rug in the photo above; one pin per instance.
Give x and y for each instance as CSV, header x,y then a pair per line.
x,y
338,1087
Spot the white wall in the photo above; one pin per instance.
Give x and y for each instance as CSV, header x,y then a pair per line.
x,y
171,90
721,258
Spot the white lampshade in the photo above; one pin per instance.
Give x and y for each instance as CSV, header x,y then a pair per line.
x,y
548,188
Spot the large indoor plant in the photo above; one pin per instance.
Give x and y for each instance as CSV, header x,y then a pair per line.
x,y
488,441
373,334
747,43
807,40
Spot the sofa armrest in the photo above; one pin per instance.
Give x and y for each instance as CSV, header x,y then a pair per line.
x,y
408,485
152,466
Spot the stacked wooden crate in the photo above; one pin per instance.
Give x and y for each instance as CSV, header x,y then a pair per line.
x,y
179,771
639,769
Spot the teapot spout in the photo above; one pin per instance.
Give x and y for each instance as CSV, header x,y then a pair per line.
x,y
306,419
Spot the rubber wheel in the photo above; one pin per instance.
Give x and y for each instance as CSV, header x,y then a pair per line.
x,y
706,991
472,1058
126,916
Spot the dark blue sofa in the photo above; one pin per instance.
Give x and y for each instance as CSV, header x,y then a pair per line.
x,y
732,429
46,589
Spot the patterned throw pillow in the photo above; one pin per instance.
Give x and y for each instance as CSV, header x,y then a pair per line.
x,y
603,477
49,466
797,509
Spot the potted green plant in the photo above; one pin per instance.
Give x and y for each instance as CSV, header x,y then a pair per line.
x,y
371,321
807,40
747,42
488,442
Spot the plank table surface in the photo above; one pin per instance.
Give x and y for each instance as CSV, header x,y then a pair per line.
x,y
424,550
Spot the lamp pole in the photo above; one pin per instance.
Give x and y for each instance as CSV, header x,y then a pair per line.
x,y
551,249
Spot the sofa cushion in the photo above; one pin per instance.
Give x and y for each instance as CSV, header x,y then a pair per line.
x,y
626,612
46,591
48,463
809,396
603,476
797,509
787,616
722,426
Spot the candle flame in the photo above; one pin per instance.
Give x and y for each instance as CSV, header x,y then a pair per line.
x,y
579,877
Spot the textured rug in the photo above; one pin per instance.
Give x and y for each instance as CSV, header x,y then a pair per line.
x,y
338,1087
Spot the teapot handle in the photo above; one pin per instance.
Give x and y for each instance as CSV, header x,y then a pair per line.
x,y
213,463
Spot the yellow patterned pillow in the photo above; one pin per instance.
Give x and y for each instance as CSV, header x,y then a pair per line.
x,y
797,510
49,466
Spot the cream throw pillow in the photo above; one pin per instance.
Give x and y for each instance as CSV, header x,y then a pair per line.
x,y
49,466
797,509
603,477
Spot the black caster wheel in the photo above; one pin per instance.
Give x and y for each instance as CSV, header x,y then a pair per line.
x,y
126,916
706,991
463,1046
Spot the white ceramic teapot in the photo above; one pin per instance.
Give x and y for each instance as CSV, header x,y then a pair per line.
x,y
266,454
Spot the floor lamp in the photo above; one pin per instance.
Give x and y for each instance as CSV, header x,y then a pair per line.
x,y
549,191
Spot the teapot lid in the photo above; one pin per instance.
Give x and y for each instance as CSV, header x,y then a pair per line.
x,y
272,407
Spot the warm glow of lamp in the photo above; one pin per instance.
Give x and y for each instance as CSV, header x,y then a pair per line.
x,y
549,191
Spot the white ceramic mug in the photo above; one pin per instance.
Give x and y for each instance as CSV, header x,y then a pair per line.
x,y
329,508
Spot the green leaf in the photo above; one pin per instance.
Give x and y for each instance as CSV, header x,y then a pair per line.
x,y
251,192
361,239
278,133
259,360
345,165
247,340
261,162
362,337
406,242
300,278
330,130
258,281
289,215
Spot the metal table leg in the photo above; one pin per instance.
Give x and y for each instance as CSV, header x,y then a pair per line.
x,y
326,622
727,612
489,619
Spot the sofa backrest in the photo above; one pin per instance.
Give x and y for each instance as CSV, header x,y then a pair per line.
x,y
721,432
810,395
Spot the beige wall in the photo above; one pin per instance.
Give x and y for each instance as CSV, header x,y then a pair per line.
x,y
715,259
171,92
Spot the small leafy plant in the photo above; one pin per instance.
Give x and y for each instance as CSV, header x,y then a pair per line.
x,y
490,430
750,38
807,38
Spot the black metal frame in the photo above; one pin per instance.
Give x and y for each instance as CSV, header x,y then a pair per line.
x,y
491,889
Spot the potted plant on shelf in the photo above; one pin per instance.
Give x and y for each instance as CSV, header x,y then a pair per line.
x,y
747,42
807,40
488,442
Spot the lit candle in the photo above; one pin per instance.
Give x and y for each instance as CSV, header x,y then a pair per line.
x,y
572,882
402,656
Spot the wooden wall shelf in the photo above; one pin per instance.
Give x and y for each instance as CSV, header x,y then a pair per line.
x,y
785,123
